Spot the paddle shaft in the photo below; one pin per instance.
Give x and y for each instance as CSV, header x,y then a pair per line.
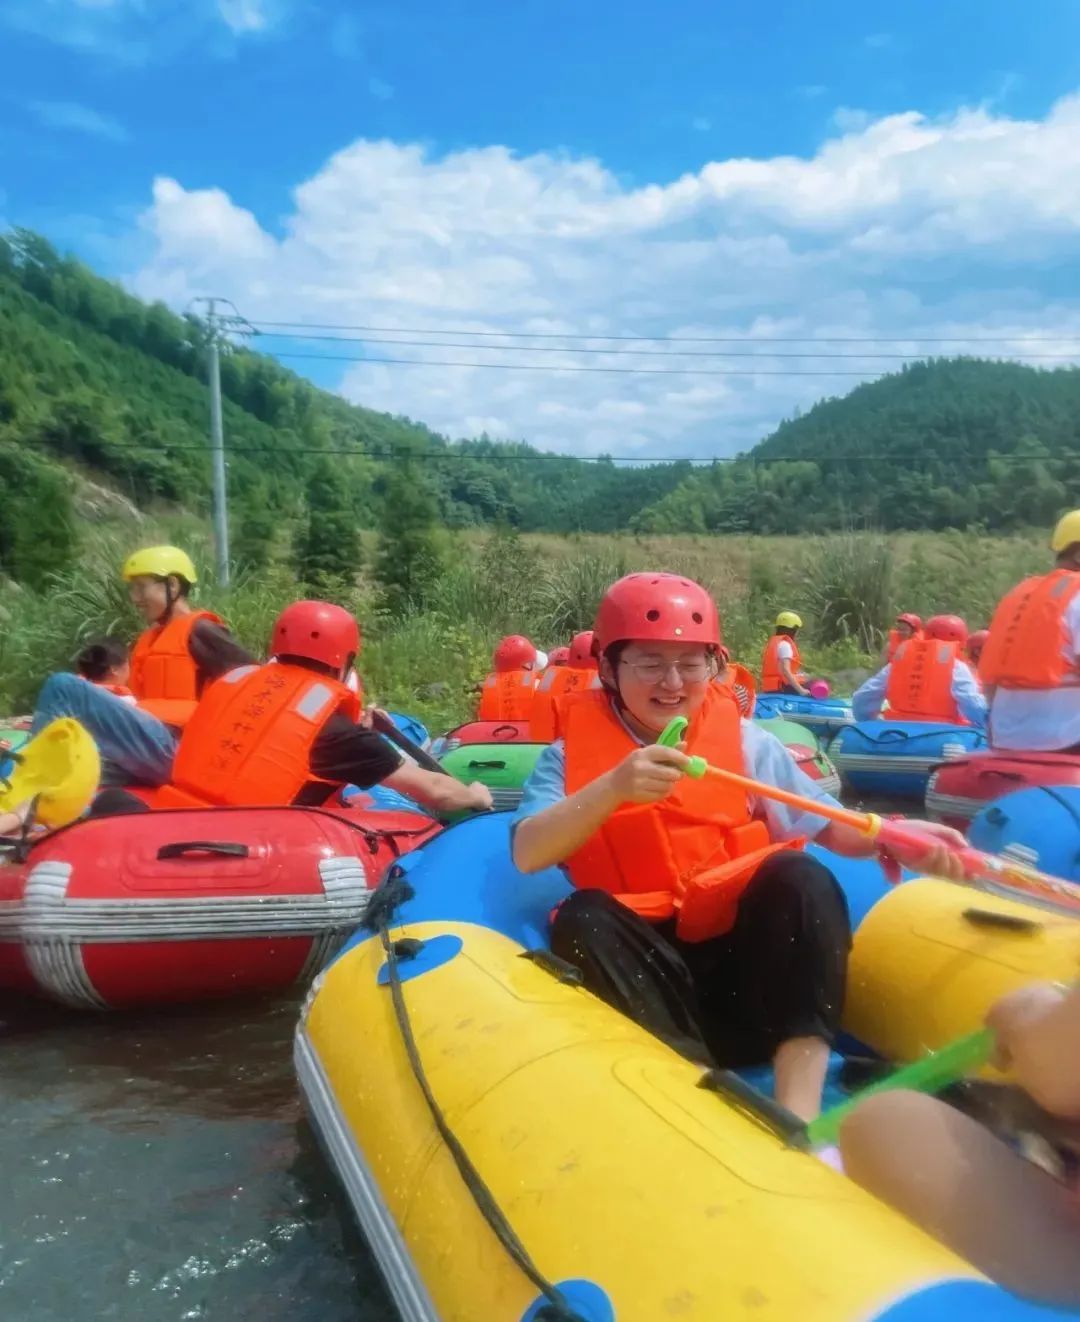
x,y
977,866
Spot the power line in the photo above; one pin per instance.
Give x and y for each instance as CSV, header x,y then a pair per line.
x,y
686,339
635,353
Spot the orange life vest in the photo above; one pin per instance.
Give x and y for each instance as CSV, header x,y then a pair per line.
x,y
772,681
920,682
249,742
507,696
1026,647
164,676
895,640
119,690
740,683
691,854
556,683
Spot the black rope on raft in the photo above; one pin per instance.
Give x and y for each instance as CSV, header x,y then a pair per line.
x,y
386,899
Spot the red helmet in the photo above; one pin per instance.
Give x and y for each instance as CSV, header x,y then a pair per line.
x,y
976,642
912,621
947,628
581,651
318,631
559,656
514,653
663,608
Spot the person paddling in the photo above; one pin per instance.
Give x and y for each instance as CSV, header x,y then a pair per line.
x,y
696,910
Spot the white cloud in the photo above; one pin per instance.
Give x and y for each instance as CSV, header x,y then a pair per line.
x,y
902,227
77,118
136,32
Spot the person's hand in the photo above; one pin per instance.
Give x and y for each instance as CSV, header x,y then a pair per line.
x,y
648,774
1011,1017
938,857
481,795
366,720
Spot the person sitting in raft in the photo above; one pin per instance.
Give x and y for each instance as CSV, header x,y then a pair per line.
x,y
696,912
904,627
287,732
507,692
1031,663
975,644
943,1170
578,673
105,663
731,675
781,665
927,680
179,653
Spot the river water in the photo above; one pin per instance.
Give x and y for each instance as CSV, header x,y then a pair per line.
x,y
157,1167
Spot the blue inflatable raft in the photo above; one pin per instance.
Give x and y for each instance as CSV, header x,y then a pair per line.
x,y
1040,826
895,758
822,715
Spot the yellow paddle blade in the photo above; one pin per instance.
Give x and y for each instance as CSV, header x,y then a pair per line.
x,y
61,768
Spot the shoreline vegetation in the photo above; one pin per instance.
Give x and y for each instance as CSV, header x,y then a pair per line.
x,y
432,605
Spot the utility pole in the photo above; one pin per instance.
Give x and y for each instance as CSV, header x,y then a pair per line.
x,y
216,326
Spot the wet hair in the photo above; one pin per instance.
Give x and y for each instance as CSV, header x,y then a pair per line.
x,y
99,657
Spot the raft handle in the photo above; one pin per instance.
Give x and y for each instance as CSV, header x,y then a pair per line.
x,y
487,766
1012,922
768,1113
566,973
223,848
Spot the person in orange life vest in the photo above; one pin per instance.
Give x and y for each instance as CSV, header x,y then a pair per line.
x,y
905,626
105,663
950,1174
580,672
695,910
180,652
738,679
1031,663
287,732
975,644
927,680
781,665
560,656
182,649
507,692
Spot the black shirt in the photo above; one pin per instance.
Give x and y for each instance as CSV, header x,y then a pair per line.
x,y
347,754
215,651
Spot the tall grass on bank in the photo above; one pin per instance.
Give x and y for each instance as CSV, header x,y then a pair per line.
x,y
426,660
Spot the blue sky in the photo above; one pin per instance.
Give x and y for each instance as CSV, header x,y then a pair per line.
x,y
704,168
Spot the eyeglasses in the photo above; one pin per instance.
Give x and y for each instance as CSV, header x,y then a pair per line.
x,y
652,672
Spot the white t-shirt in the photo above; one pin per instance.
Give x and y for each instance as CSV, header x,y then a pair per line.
x,y
1043,719
784,650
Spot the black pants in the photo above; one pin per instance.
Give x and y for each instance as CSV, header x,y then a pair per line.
x,y
779,973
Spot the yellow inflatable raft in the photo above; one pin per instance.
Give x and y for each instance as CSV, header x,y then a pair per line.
x,y
638,1193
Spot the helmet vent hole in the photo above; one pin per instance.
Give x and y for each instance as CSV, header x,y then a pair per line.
x,y
652,615
697,617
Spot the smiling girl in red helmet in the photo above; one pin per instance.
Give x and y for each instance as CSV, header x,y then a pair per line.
x,y
696,911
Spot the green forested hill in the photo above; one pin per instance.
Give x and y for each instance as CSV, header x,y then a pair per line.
x,y
948,443
92,378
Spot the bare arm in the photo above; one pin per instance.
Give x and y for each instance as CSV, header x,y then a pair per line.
x,y
789,677
442,794
1038,1037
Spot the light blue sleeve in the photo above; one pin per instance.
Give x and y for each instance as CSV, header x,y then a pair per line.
x,y
546,785
767,759
867,699
967,694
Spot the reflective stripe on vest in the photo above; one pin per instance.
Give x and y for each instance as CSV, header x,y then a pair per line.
x,y
772,680
920,682
1027,643
249,741
691,854
507,696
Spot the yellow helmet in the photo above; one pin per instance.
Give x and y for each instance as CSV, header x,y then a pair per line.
x,y
159,562
1067,532
61,768
788,620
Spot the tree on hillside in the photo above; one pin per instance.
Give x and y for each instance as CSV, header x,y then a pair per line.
x,y
37,524
326,551
409,554
256,526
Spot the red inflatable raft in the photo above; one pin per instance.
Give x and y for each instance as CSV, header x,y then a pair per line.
x,y
958,790
177,906
485,732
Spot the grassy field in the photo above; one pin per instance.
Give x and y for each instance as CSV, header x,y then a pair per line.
x,y
847,588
